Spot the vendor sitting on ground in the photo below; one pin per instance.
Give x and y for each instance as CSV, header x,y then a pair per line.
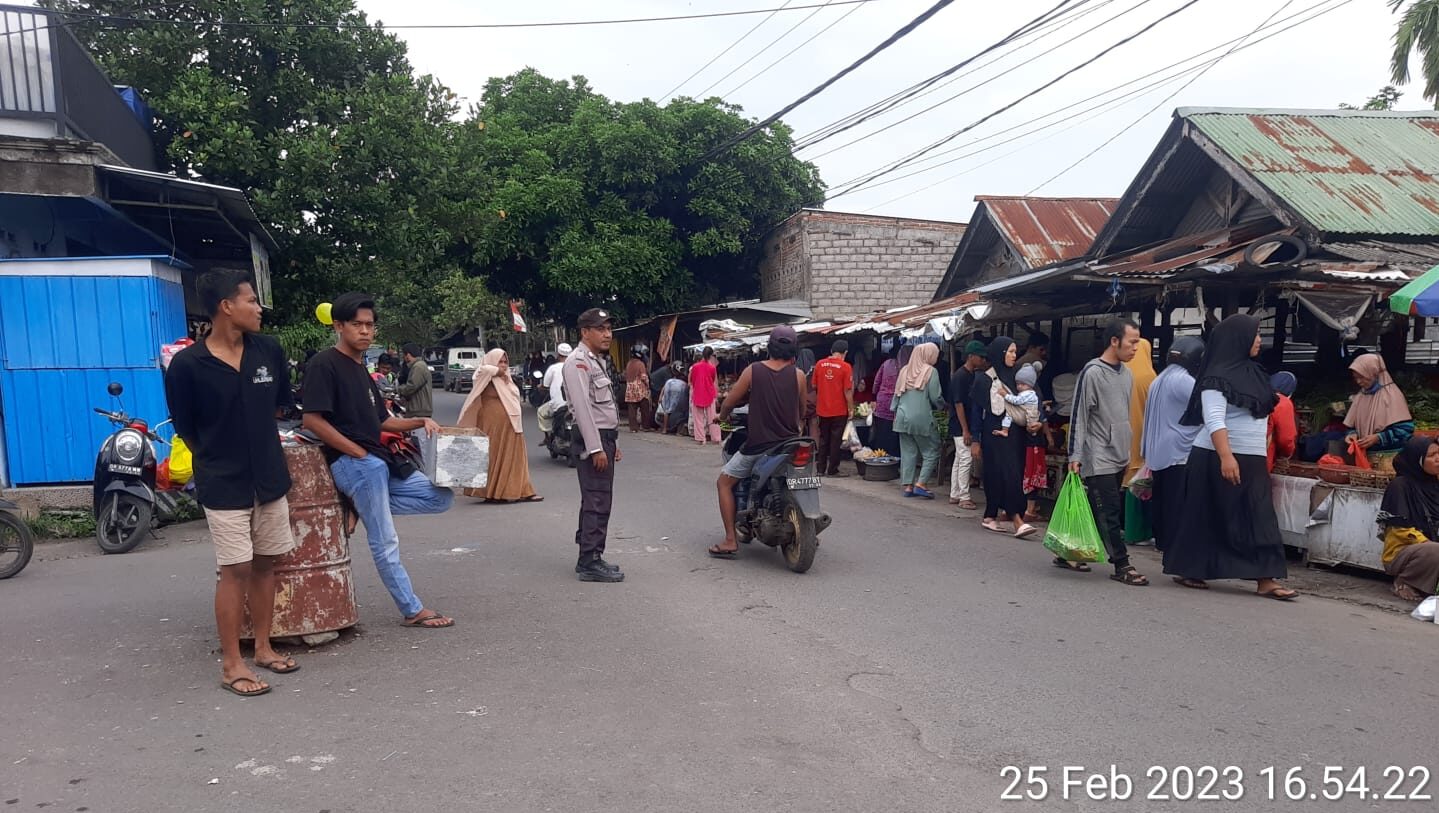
x,y
1409,521
1379,415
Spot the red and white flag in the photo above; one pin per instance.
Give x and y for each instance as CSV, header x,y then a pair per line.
x,y
519,321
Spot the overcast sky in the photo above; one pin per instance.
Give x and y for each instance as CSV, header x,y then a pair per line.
x,y
1338,57
1341,56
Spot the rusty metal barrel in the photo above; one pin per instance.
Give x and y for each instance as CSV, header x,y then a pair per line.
x,y
314,585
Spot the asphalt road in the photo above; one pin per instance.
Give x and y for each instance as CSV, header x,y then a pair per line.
x,y
918,659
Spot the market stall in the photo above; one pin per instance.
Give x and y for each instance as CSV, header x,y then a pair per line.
x,y
1332,521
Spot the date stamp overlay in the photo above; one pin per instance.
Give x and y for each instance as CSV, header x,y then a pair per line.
x,y
1210,783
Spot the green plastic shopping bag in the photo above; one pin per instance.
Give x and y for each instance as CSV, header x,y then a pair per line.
x,y
1072,534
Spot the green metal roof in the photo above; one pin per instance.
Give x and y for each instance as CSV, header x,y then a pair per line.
x,y
1344,171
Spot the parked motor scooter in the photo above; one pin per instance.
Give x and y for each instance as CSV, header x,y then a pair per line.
x,y
125,481
16,541
779,503
560,441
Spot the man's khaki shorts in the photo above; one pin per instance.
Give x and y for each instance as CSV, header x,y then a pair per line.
x,y
241,535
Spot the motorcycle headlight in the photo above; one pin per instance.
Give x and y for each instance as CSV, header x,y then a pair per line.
x,y
129,445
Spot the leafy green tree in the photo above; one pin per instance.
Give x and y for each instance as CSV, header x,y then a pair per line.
x,y
340,146
1385,99
1418,31
594,201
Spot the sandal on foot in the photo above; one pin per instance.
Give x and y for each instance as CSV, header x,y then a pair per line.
x,y
992,525
422,620
533,498
969,505
718,552
1025,531
1078,567
922,493
1131,577
1280,594
282,665
1192,584
1405,592
233,689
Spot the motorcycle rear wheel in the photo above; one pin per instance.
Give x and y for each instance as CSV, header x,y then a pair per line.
x,y
799,553
123,522
16,545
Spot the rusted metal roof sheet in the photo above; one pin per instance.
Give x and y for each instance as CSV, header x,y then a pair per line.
x,y
1345,172
1048,230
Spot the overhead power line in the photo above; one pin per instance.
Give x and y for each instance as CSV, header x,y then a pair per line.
x,y
117,18
859,183
1114,102
963,92
731,47
904,31
879,108
1162,102
772,43
792,51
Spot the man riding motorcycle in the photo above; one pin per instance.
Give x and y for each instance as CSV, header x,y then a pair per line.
x,y
775,391
554,382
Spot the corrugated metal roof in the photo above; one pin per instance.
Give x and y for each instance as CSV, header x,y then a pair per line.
x,y
1345,172
1048,230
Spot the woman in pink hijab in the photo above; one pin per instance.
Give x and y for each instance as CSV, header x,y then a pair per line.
x,y
494,407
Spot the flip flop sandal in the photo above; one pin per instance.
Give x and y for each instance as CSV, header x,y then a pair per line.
x,y
230,687
993,526
418,622
1274,594
717,553
922,493
283,666
1025,531
1078,567
533,498
1192,584
969,505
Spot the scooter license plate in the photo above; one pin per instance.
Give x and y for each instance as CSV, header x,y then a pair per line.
x,y
797,483
119,469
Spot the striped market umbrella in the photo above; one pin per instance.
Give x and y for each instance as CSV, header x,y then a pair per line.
x,y
1420,297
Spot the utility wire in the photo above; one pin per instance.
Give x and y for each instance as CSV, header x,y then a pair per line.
x,y
772,43
910,94
1146,114
868,178
440,26
731,47
881,107
904,31
969,89
791,52
1138,92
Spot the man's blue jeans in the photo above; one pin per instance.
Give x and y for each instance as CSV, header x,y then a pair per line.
x,y
378,497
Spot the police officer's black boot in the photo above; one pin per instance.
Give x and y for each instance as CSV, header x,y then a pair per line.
x,y
591,568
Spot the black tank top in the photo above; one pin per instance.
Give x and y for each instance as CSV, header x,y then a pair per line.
x,y
773,406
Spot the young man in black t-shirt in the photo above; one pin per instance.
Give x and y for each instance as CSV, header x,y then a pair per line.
x,y
224,393
345,410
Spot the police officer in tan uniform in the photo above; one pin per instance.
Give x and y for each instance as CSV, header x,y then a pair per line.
x,y
590,392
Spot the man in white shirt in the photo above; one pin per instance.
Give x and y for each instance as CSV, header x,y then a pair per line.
x,y
554,381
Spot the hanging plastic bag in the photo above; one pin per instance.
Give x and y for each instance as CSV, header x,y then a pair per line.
x,y
1072,534
182,462
1361,459
1426,608
1142,486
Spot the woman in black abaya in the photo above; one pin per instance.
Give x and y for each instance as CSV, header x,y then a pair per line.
x,y
1229,529
1003,456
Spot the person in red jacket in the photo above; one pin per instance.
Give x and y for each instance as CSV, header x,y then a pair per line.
x,y
1283,428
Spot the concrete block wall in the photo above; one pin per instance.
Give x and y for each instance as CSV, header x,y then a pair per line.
x,y
848,265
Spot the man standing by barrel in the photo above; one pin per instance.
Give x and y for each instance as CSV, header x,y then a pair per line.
x,y
590,391
224,393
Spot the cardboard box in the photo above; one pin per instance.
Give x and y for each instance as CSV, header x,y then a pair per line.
x,y
457,457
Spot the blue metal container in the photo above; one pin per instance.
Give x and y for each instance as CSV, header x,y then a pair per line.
x,y
68,327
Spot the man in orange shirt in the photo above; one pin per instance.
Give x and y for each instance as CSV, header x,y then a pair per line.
x,y
834,402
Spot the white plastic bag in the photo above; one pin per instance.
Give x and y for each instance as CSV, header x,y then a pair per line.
x,y
1426,608
850,439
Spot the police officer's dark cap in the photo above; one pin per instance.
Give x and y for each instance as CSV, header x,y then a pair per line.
x,y
596,317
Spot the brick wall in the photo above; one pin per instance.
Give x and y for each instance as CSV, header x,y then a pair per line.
x,y
848,265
